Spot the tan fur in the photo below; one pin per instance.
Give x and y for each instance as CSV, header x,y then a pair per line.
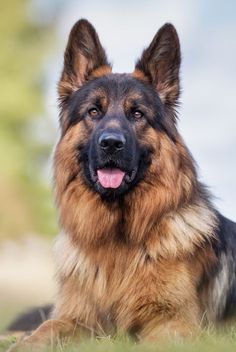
x,y
67,85
133,265
115,279
167,91
139,75
101,71
143,276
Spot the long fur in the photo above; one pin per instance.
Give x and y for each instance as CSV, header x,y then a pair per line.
x,y
155,261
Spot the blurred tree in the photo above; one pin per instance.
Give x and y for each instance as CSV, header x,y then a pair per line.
x,y
26,204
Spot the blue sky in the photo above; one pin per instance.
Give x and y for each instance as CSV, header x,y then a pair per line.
x,y
207,30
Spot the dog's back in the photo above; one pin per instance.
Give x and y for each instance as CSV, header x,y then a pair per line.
x,y
220,301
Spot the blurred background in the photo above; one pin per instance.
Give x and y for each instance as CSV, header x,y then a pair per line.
x,y
33,36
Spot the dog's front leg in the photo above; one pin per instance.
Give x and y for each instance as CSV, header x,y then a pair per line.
x,y
50,333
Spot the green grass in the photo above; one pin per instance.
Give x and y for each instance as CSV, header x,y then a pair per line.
x,y
5,343
207,342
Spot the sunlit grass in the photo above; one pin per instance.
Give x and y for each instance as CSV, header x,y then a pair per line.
x,y
207,342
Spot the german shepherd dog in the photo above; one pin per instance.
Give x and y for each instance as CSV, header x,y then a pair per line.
x,y
142,249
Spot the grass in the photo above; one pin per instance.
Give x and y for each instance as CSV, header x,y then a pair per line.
x,y
207,342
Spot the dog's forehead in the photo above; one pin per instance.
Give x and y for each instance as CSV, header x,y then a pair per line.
x,y
117,87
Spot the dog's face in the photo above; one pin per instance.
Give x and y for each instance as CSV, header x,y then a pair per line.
x,y
112,123
116,111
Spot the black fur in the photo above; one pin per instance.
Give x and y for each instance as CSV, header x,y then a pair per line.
x,y
134,157
222,285
156,100
31,319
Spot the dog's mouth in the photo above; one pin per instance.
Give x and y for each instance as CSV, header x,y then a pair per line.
x,y
112,177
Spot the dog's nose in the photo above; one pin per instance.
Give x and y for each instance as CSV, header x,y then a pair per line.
x,y
112,141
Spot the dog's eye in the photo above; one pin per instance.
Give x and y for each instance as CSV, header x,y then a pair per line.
x,y
93,112
137,114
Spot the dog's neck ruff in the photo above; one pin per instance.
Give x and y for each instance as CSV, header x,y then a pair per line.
x,y
178,234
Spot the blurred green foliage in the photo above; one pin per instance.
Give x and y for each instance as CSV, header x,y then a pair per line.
x,y
26,205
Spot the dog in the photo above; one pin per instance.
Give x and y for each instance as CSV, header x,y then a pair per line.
x,y
142,250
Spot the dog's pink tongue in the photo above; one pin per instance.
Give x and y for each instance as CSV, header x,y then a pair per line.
x,y
110,178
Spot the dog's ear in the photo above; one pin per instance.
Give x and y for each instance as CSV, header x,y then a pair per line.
x,y
84,55
160,63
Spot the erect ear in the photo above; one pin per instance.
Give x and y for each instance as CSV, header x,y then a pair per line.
x,y
160,63
84,55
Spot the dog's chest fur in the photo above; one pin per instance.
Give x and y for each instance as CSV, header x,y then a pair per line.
x,y
128,287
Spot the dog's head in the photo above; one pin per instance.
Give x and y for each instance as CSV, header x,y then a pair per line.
x,y
112,124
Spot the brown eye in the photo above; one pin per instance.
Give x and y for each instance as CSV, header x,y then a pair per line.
x,y
93,112
137,114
